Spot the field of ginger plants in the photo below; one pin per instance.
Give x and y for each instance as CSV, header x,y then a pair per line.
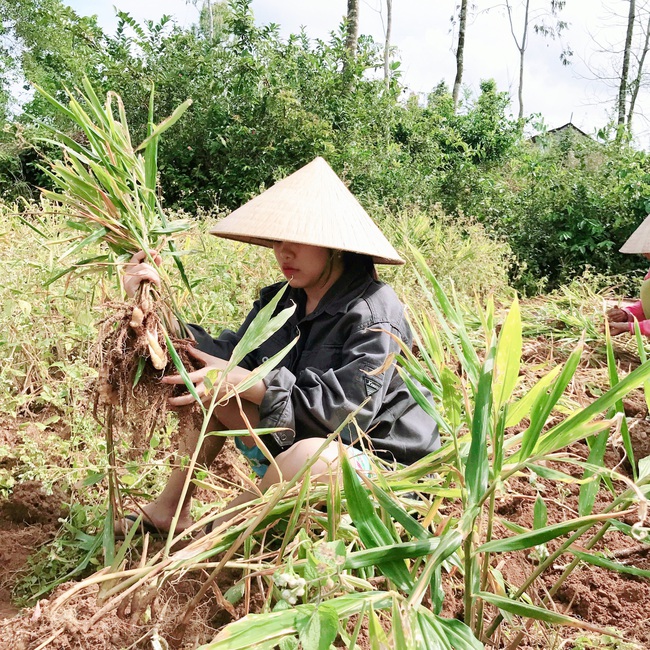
x,y
527,529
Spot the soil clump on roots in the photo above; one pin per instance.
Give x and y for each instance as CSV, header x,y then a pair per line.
x,y
131,358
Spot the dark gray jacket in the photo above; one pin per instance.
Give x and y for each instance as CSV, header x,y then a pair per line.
x,y
325,376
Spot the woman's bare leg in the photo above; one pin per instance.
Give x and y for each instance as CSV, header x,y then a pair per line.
x,y
160,511
291,462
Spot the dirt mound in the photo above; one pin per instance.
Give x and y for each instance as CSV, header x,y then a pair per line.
x,y
609,599
29,504
28,519
78,625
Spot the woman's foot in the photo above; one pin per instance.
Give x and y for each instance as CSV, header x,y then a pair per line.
x,y
154,521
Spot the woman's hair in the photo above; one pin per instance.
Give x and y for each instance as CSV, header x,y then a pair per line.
x,y
365,262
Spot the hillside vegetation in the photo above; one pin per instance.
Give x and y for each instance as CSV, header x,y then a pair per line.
x,y
264,106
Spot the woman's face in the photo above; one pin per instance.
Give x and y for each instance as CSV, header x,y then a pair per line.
x,y
307,267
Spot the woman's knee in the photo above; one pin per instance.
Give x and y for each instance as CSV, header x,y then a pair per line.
x,y
292,461
235,416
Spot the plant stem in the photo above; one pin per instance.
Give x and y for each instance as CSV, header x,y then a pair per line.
x,y
114,501
485,565
468,579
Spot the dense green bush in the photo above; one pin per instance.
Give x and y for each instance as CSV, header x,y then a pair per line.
x,y
565,207
264,106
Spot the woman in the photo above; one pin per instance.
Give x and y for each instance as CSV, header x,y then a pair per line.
x,y
622,320
346,320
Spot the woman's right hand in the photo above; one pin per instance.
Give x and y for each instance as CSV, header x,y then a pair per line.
x,y
138,271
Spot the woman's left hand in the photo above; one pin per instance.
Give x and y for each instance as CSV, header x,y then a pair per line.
x,y
618,328
617,315
197,377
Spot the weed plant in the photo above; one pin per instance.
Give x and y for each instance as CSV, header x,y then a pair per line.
x,y
458,250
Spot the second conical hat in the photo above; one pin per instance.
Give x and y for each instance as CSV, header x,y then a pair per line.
x,y
312,206
639,240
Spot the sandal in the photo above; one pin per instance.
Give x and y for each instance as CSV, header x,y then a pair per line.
x,y
144,527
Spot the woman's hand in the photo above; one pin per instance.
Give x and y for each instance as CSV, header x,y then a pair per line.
x,y
618,328
197,377
138,271
617,315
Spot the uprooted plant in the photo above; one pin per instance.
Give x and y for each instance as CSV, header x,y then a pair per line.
x,y
107,189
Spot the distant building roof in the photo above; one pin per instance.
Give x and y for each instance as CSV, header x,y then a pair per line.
x,y
565,129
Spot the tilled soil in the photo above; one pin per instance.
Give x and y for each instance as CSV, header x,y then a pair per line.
x,y
29,519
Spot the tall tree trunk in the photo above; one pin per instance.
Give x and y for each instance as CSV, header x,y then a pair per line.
x,y
460,51
210,18
352,36
636,84
623,88
389,25
521,46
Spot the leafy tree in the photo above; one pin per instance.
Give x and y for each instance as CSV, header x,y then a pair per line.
x,y
565,205
47,43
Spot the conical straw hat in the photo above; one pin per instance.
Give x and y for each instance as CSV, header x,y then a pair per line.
x,y
639,240
312,206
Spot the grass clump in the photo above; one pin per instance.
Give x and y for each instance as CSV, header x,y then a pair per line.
x,y
458,250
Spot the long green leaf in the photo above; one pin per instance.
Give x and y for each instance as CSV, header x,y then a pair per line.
x,y
422,400
257,628
391,552
542,408
618,407
640,344
77,265
264,325
432,635
262,370
455,631
536,537
189,384
477,465
151,158
589,489
532,611
159,129
397,511
508,357
520,409
610,565
372,530
87,241
452,398
572,428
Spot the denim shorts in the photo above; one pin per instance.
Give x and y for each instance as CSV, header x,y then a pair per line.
x,y
257,460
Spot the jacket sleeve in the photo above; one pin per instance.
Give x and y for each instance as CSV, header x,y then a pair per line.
x,y
316,402
635,311
644,327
